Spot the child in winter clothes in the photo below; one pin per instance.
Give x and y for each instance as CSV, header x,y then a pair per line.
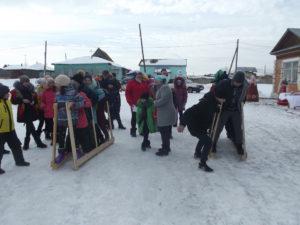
x,y
26,98
47,101
180,95
101,96
67,93
145,119
7,131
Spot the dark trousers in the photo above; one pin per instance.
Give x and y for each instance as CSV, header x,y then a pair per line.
x,y
102,122
30,130
14,144
48,125
145,133
236,125
203,146
165,133
41,123
83,139
133,121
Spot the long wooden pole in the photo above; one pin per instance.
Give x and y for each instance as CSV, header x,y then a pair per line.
x,y
142,47
45,62
237,54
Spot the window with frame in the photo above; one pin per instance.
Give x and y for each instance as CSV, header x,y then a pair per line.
x,y
290,71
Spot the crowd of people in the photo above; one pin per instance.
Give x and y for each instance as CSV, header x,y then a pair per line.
x,y
153,103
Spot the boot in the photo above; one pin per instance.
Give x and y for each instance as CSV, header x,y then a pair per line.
x,y
2,171
143,146
48,135
133,132
24,163
60,158
162,152
205,167
121,127
26,143
240,149
148,144
79,153
6,152
41,145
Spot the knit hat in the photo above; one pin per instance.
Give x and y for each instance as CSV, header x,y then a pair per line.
x,y
3,90
24,79
78,77
239,77
62,80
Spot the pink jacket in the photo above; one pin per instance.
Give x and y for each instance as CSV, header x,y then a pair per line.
x,y
48,99
82,119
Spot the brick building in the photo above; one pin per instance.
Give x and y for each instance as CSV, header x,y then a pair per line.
x,y
287,64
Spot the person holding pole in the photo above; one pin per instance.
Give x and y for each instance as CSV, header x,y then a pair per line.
x,y
234,92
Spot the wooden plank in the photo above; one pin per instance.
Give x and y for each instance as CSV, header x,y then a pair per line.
x,y
72,137
109,120
94,152
54,134
94,128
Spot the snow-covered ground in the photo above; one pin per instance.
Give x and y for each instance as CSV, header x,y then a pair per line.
x,y
124,185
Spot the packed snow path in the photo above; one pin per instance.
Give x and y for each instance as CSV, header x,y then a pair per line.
x,y
124,185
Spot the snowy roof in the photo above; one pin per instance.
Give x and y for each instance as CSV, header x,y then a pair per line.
x,y
164,62
86,60
37,66
247,69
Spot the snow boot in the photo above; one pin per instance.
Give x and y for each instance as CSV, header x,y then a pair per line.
x,y
61,156
41,145
24,163
239,148
162,152
148,144
48,135
2,171
143,147
6,152
205,167
121,127
79,153
26,143
133,132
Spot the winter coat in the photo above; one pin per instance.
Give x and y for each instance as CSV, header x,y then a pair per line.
x,y
6,116
48,99
145,113
180,92
166,112
26,112
199,117
82,118
233,96
101,96
70,95
134,91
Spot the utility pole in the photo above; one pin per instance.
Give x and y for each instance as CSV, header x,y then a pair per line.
x,y
265,69
45,62
66,56
142,47
237,54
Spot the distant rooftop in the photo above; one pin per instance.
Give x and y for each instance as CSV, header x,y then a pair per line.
x,y
164,62
37,66
86,60
247,69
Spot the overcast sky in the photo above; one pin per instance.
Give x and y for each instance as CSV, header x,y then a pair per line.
x,y
202,31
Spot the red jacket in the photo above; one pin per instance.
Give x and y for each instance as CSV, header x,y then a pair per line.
x,y
48,99
82,119
134,91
